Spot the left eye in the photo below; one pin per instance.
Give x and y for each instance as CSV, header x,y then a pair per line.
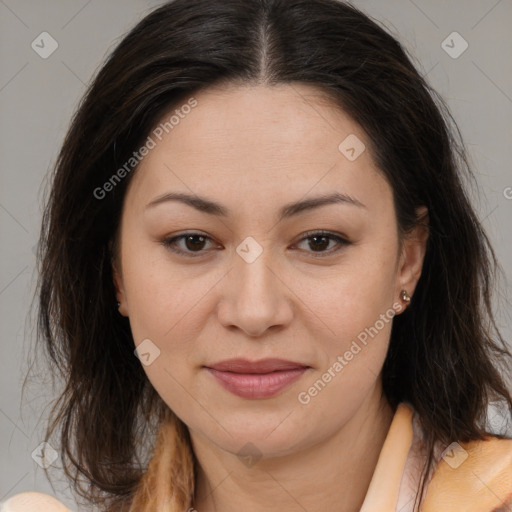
x,y
193,243
320,240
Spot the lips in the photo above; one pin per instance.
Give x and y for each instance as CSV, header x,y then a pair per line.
x,y
256,379
262,366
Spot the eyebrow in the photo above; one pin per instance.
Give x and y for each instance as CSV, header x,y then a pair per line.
x,y
207,206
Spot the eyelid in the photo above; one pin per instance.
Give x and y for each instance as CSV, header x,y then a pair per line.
x,y
169,242
342,241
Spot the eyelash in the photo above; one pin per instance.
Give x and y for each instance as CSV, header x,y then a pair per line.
x,y
169,243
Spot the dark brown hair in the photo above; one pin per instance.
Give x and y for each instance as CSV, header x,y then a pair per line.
x,y
444,350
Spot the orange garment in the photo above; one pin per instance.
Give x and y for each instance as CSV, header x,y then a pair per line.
x,y
471,477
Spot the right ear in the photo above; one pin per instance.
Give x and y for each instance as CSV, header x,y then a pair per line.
x,y
118,281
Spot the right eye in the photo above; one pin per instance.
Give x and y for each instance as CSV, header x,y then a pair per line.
x,y
192,244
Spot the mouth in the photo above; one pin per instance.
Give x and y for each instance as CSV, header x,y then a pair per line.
x,y
256,379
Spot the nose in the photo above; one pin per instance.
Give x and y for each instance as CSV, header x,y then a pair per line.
x,y
255,297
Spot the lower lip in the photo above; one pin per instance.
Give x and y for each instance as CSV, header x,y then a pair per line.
x,y
257,385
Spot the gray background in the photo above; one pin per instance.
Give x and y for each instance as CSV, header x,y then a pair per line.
x,y
38,97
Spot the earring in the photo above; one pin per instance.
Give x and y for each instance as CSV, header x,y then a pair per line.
x,y
118,305
405,296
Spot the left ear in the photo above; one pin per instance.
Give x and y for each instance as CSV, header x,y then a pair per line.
x,y
414,246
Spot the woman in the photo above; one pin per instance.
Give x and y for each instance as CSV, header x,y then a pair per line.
x,y
264,201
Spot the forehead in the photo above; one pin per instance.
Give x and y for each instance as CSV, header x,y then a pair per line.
x,y
295,118
259,142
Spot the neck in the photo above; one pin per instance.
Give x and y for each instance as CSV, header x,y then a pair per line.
x,y
334,474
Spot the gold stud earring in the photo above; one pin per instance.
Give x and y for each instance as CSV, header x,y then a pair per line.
x,y
405,296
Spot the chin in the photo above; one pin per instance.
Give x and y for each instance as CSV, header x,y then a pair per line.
x,y
275,436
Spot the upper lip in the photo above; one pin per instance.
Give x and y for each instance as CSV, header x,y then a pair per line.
x,y
261,366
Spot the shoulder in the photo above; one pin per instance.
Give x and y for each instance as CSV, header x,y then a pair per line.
x,y
33,502
475,476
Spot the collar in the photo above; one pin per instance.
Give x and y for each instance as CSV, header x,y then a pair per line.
x,y
474,476
383,492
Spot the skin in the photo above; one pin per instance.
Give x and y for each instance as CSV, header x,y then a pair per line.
x,y
255,149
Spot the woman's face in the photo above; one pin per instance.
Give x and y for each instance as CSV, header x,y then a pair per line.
x,y
255,287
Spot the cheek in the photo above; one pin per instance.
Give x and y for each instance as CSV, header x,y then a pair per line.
x,y
168,307
355,307
353,295
353,344
162,297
